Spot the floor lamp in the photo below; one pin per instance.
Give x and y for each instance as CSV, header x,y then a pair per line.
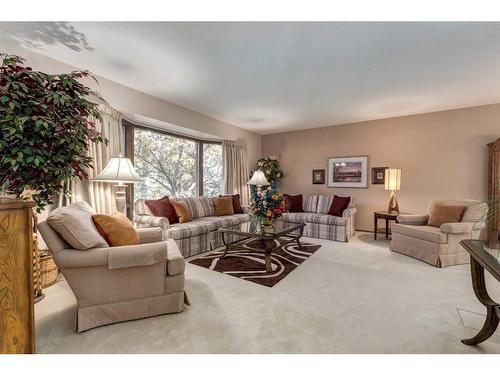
x,y
120,171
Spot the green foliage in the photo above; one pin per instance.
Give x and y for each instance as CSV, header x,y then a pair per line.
x,y
271,168
46,129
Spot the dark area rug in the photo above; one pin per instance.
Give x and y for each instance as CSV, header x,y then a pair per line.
x,y
249,264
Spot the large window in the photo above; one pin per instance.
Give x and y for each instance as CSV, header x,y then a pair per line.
x,y
174,166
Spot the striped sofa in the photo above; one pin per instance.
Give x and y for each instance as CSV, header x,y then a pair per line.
x,y
193,237
319,224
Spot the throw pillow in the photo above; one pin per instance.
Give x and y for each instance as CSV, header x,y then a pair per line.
x,y
223,206
441,213
293,203
237,209
116,229
74,224
162,208
182,212
339,204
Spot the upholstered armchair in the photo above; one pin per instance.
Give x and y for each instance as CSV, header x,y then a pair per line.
x,y
115,284
439,247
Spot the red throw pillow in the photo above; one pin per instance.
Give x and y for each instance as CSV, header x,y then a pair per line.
x,y
293,203
338,206
237,209
163,208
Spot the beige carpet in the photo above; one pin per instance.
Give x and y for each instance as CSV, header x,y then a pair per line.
x,y
346,298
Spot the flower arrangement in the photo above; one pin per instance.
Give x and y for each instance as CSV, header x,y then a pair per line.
x,y
271,168
267,205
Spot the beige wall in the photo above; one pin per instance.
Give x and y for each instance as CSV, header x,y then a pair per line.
x,y
128,100
441,154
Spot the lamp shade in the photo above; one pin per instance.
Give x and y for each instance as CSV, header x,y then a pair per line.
x,y
119,170
392,179
258,179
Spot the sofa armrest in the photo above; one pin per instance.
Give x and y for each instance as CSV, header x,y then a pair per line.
x,y
137,255
148,221
463,227
348,212
413,219
150,234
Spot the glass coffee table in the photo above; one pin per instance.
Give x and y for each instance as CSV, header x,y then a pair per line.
x,y
266,237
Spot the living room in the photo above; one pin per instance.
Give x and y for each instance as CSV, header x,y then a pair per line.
x,y
261,187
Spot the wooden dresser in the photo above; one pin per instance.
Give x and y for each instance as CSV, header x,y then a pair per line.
x,y
17,324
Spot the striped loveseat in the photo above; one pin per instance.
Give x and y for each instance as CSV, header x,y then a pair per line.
x,y
319,224
199,235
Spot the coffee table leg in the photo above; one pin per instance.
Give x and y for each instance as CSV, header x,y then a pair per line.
x,y
492,308
301,231
226,244
267,257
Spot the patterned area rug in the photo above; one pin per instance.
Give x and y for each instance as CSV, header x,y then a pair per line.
x,y
249,264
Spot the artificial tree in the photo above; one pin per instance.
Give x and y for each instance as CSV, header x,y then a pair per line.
x,y
46,128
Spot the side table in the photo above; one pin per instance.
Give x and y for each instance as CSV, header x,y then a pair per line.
x,y
384,215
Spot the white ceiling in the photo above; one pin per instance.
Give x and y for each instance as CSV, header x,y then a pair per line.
x,y
274,77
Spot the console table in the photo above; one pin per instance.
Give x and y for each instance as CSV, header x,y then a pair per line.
x,y
482,257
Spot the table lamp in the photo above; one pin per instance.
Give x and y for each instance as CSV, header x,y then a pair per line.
x,y
393,183
121,171
258,179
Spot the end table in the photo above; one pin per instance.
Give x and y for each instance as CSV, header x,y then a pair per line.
x,y
385,216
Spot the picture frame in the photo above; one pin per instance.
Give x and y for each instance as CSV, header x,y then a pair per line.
x,y
318,176
349,172
378,175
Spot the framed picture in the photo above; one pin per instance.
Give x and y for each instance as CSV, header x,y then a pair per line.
x,y
318,176
378,175
348,172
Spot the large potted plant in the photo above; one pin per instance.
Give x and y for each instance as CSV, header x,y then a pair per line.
x,y
46,130
46,126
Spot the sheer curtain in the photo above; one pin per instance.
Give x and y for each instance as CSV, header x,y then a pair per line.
x,y
235,167
100,195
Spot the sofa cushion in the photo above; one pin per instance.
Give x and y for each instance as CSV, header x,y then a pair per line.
x,y
309,217
193,228
116,229
182,212
309,203
223,206
293,203
226,221
237,209
74,224
198,206
423,232
162,208
339,204
475,211
441,214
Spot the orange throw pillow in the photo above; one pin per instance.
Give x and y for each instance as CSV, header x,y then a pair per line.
x,y
441,214
223,206
116,229
182,212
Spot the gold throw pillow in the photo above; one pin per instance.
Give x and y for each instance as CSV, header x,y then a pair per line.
x,y
182,212
116,229
441,214
223,206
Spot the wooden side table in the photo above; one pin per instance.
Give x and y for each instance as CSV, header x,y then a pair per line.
x,y
385,216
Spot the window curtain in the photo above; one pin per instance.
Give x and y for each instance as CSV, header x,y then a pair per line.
x,y
100,195
235,167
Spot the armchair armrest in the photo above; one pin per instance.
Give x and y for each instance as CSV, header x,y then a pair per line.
x,y
463,227
348,212
413,219
148,221
150,234
137,255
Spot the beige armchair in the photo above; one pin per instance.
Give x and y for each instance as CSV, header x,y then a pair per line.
x,y
438,246
116,284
